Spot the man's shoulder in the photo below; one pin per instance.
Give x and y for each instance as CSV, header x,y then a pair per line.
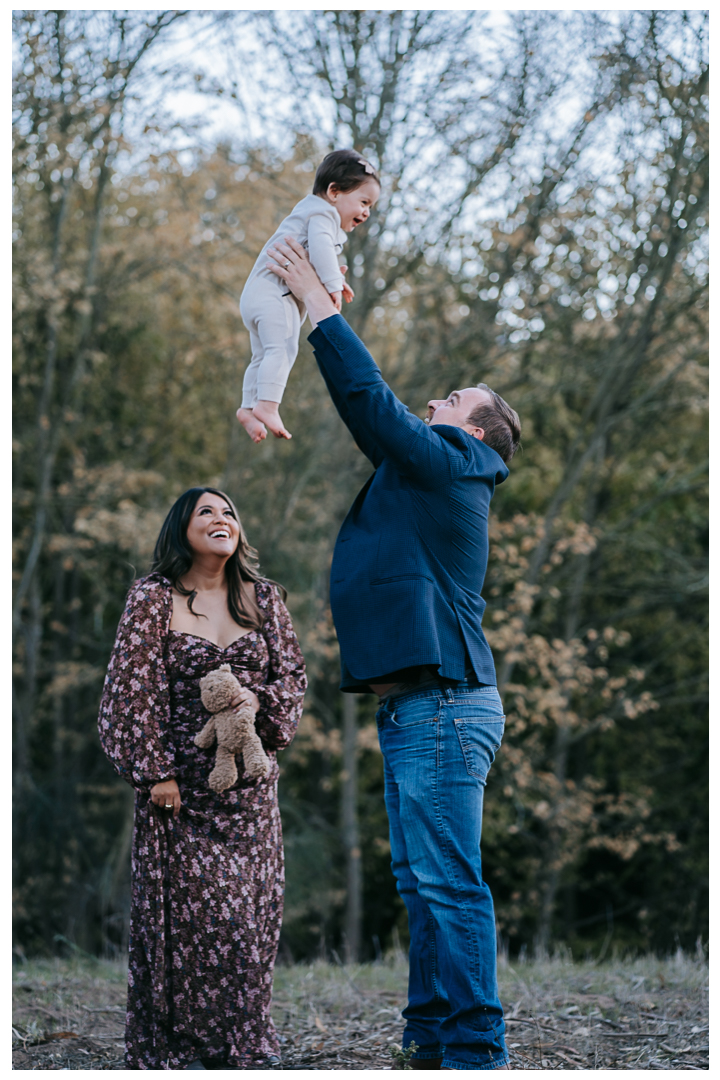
x,y
456,436
481,458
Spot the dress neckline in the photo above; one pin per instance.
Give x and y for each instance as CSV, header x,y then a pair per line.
x,y
199,637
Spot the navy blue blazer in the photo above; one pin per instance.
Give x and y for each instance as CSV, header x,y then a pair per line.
x,y
411,556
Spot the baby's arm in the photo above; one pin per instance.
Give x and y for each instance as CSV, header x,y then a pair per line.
x,y
347,294
321,250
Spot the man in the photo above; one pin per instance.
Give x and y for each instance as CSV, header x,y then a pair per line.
x,y
406,577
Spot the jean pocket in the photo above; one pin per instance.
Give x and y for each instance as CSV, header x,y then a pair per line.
x,y
413,714
480,739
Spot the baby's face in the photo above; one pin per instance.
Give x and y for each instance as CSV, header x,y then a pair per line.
x,y
354,206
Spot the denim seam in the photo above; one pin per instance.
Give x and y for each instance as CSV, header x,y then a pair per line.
x,y
476,975
452,877
436,990
435,788
499,1036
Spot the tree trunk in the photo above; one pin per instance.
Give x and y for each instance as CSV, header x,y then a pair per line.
x,y
351,832
563,739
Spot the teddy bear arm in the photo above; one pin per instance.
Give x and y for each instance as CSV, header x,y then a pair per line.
x,y
206,737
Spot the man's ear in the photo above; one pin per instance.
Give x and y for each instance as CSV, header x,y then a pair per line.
x,y
477,432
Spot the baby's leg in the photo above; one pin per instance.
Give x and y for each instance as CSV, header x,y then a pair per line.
x,y
267,413
254,427
280,340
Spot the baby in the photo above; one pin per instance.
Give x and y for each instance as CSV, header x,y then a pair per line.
x,y
345,190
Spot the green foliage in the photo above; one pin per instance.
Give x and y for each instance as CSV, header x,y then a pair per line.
x,y
402,1057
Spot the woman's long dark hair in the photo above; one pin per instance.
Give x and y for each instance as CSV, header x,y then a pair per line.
x,y
173,557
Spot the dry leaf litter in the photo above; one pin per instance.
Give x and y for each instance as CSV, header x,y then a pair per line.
x,y
633,1014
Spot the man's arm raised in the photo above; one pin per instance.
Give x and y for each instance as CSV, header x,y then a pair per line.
x,y
291,263
380,424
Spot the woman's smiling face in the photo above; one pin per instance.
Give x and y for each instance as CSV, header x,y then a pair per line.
x,y
213,528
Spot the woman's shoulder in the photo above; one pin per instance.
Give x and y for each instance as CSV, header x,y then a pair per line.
x,y
268,592
152,587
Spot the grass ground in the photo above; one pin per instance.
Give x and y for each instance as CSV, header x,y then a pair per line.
x,y
645,1013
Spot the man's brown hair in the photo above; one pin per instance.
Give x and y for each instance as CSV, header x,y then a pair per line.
x,y
500,423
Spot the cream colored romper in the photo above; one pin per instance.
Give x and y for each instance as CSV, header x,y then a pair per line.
x,y
271,314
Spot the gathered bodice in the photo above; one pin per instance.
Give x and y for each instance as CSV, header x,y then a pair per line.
x,y
188,658
151,709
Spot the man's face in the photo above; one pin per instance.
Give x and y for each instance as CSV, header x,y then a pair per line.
x,y
454,410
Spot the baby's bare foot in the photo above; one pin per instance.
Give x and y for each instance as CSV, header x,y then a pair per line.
x,y
254,427
267,412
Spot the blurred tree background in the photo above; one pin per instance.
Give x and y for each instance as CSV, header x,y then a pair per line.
x,y
543,228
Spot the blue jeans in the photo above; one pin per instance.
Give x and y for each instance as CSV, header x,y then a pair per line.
x,y
438,746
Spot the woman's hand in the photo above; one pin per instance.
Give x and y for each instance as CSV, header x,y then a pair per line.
x,y
166,795
289,260
245,696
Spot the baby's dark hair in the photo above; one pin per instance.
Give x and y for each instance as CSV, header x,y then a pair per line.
x,y
346,169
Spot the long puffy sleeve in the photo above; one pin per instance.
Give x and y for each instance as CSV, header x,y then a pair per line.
x,y
135,705
281,698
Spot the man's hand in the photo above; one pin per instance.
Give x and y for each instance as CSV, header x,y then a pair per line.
x,y
291,263
166,795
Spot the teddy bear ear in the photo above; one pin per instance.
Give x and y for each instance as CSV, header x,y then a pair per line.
x,y
224,667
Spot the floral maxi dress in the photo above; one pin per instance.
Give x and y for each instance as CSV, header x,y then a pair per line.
x,y
207,887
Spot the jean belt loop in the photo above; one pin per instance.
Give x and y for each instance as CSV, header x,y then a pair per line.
x,y
449,695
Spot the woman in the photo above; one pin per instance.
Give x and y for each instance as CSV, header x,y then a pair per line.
x,y
207,869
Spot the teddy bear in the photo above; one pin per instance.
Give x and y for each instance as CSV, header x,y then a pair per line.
x,y
233,729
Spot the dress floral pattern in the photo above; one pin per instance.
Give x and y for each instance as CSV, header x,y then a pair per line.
x,y
207,887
